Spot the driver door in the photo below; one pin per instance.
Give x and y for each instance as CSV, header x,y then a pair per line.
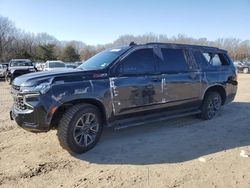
x,y
136,87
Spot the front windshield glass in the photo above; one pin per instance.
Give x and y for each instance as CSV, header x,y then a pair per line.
x,y
20,63
56,64
103,59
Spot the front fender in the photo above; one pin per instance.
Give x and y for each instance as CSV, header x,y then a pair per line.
x,y
89,91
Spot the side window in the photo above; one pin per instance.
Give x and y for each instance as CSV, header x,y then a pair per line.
x,y
139,62
215,59
173,60
200,59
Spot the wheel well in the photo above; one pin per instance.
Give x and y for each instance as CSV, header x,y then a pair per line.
x,y
219,89
62,109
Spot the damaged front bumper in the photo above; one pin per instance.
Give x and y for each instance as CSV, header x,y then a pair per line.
x,y
29,114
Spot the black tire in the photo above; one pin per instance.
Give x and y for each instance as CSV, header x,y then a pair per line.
x,y
73,128
211,105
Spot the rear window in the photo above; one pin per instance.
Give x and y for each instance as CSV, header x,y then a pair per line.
x,y
173,61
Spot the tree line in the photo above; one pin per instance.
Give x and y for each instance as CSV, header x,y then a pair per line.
x,y
15,43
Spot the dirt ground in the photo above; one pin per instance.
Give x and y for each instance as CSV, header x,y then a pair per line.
x,y
185,152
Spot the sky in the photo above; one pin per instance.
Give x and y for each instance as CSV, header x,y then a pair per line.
x,y
103,21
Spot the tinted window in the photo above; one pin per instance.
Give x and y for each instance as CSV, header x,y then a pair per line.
x,y
139,62
173,60
200,59
215,59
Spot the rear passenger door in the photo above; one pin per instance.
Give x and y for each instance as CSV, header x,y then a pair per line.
x,y
135,86
181,78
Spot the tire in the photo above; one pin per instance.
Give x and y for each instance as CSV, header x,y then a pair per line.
x,y
80,128
211,106
245,70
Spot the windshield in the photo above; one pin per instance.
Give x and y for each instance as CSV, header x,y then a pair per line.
x,y
103,59
56,64
20,63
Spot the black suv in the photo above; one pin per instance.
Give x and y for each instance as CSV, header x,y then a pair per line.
x,y
124,86
19,67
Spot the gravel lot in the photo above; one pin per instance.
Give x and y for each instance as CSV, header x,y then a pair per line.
x,y
185,152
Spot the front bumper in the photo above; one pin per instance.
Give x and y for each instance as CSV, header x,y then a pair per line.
x,y
32,119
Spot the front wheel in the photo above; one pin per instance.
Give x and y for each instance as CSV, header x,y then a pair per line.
x,y
80,128
211,105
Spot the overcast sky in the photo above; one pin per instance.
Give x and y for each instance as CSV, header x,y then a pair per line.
x,y
99,22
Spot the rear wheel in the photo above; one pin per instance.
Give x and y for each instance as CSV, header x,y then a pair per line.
x,y
245,70
80,128
211,105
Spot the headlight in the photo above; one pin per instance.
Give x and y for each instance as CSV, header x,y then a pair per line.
x,y
32,70
42,87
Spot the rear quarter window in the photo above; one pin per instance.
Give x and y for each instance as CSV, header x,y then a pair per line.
x,y
206,59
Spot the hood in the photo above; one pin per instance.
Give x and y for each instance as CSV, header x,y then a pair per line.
x,y
32,79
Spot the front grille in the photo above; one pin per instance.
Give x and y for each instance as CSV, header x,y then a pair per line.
x,y
19,103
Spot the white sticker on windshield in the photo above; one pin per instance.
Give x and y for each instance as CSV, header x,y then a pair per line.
x,y
115,50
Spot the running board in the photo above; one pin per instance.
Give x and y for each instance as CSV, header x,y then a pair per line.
x,y
136,121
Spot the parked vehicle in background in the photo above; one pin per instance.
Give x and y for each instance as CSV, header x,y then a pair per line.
x,y
54,65
236,63
78,63
244,67
123,87
18,67
71,65
40,66
6,65
3,70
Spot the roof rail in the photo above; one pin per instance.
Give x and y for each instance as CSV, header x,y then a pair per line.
x,y
189,45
